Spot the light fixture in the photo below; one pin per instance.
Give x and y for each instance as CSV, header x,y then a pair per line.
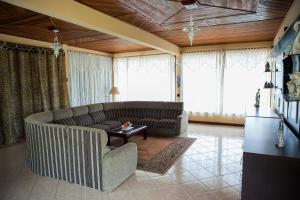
x,y
191,30
56,46
114,90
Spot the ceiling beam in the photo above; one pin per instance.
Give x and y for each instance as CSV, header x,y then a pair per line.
x,y
79,14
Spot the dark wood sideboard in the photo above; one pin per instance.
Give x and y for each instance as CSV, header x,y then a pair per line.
x,y
269,173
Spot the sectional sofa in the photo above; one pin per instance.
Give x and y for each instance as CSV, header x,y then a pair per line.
x,y
70,144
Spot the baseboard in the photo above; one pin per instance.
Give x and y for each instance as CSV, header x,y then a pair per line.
x,y
216,123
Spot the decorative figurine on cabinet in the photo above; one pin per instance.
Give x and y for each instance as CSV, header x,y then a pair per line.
x,y
257,98
280,133
267,67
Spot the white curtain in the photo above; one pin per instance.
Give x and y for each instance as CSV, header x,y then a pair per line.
x,y
243,76
89,78
150,78
224,81
201,81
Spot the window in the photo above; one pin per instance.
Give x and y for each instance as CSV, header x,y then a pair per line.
x,y
243,75
148,78
224,81
89,78
201,81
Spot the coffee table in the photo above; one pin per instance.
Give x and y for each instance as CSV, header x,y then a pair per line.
x,y
126,134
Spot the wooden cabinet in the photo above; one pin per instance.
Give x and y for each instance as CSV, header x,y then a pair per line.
x,y
269,173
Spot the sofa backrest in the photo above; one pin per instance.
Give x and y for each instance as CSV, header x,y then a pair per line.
x,y
143,109
97,113
153,109
42,117
133,109
113,110
64,117
70,153
81,116
172,110
87,146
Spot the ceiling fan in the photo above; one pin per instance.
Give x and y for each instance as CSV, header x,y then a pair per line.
x,y
188,4
249,6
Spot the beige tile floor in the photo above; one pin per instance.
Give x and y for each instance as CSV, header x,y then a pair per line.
x,y
210,169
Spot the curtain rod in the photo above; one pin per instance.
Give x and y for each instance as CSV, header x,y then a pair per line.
x,y
15,46
142,55
224,49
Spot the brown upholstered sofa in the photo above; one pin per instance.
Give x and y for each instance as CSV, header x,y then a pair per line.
x,y
161,118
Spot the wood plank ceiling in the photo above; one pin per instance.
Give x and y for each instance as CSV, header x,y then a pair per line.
x,y
25,23
163,18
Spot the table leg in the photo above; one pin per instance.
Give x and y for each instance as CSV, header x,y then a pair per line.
x,y
125,140
145,135
108,140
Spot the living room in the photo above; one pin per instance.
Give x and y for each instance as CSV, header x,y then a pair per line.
x,y
162,99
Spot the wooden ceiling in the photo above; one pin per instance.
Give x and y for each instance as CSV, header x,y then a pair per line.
x,y
164,18
32,25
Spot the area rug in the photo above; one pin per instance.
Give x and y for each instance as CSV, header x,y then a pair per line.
x,y
157,154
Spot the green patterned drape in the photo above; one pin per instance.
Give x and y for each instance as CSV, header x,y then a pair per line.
x,y
31,80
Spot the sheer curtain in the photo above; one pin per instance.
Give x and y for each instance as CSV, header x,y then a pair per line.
x,y
243,75
146,77
202,73
89,78
224,81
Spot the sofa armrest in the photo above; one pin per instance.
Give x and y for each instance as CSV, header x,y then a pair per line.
x,y
182,121
118,165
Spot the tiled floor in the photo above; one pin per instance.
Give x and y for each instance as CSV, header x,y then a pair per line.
x,y
210,169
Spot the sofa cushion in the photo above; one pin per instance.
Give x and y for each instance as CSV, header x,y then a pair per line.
x,y
62,114
98,117
100,126
112,124
83,120
150,122
80,110
166,123
66,121
64,117
95,107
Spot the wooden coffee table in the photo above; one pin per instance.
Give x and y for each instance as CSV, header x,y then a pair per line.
x,y
126,134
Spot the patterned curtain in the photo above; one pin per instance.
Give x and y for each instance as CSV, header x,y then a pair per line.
x,y
31,80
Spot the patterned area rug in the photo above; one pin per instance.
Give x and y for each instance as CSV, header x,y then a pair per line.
x,y
157,154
